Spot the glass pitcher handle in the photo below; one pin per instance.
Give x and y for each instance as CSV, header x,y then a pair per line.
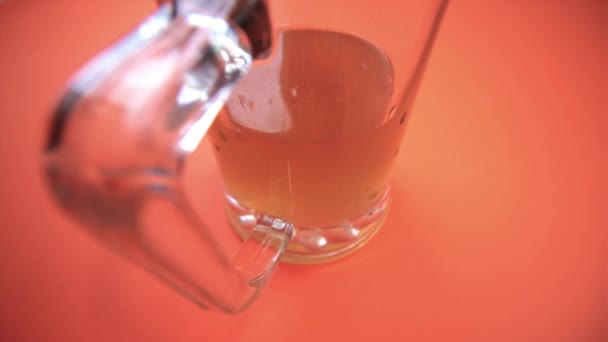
x,y
117,146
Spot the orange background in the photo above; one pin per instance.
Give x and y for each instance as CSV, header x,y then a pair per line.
x,y
498,229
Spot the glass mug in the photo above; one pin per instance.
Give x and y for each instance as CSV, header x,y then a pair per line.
x,y
305,141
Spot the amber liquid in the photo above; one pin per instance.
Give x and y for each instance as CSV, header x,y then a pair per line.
x,y
311,135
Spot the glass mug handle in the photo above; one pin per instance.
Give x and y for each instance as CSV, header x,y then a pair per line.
x,y
119,140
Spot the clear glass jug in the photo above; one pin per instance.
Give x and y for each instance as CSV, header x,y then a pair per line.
x,y
122,133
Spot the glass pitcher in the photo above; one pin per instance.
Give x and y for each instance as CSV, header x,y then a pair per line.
x,y
330,85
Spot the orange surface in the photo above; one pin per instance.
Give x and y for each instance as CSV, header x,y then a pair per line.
x,y
498,230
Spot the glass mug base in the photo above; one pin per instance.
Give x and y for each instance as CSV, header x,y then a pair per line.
x,y
314,245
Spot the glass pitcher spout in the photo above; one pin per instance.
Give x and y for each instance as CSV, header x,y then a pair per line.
x,y
122,132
